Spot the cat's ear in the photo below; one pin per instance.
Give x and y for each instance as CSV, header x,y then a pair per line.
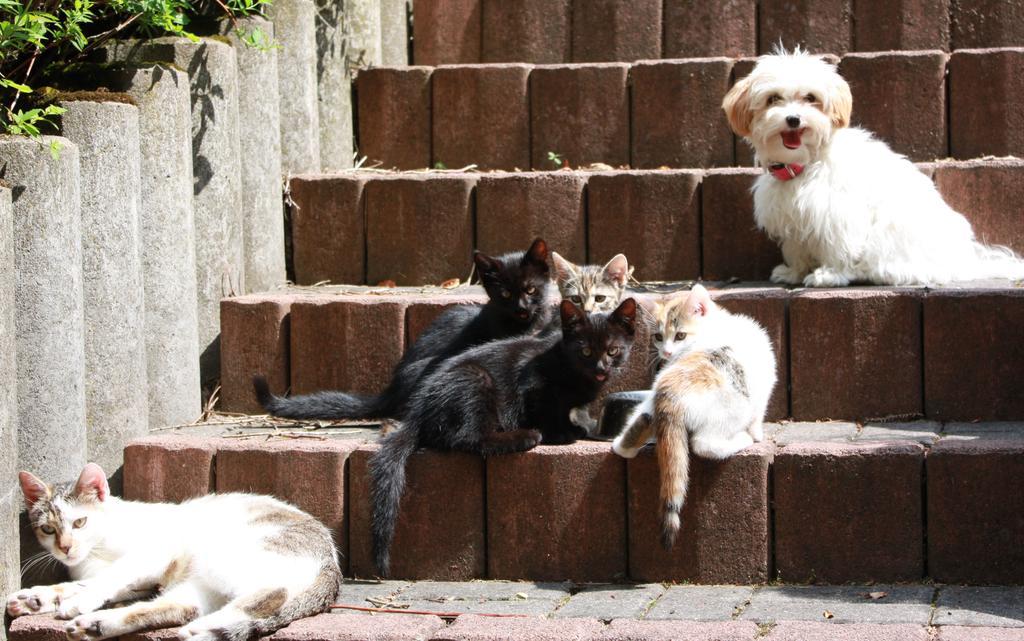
x,y
699,301
625,316
537,254
92,484
572,316
617,270
484,263
564,270
33,489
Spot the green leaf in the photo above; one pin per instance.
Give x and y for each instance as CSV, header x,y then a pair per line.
x,y
17,87
55,147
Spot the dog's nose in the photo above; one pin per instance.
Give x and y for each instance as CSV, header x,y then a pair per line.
x,y
793,121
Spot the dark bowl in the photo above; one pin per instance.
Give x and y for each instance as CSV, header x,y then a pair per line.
x,y
616,411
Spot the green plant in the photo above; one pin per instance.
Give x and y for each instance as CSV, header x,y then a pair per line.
x,y
40,37
556,159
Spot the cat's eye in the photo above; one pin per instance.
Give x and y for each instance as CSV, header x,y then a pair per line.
x,y
79,522
659,337
506,294
586,351
680,336
600,298
576,299
612,351
48,529
531,290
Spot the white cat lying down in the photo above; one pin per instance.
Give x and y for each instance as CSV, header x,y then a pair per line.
x,y
230,566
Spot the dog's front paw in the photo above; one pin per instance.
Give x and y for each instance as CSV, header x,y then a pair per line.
x,y
787,275
826,277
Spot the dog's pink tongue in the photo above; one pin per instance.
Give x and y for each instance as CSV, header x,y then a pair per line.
x,y
791,139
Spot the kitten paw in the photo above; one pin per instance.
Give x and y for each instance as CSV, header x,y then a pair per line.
x,y
87,626
623,451
826,277
580,417
787,275
31,601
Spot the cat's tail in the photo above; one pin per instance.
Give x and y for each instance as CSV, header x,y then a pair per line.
x,y
328,405
673,450
387,480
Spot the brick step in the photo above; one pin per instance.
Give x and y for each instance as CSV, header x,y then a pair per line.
x,y
641,612
558,31
926,104
420,227
853,353
827,502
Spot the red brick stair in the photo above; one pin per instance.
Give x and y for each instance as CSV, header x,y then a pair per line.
x,y
561,31
365,227
827,503
927,104
852,353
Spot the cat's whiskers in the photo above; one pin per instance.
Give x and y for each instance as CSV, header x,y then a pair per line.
x,y
39,560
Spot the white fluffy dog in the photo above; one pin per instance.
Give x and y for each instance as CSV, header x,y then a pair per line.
x,y
843,206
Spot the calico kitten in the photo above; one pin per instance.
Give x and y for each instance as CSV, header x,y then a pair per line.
x,y
591,287
226,567
506,396
710,397
517,286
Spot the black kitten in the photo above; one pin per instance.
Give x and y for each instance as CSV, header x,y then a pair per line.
x,y
517,286
506,396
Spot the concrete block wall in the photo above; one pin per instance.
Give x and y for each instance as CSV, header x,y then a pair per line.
x,y
117,407
10,494
259,136
48,303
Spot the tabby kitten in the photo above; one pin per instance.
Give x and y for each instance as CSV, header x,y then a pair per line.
x,y
710,397
517,286
481,400
226,567
591,287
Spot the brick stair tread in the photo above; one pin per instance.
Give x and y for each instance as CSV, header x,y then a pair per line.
x,y
654,113
470,31
341,223
606,612
902,353
256,430
874,532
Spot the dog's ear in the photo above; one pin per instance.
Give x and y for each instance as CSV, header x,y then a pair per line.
x,y
840,103
737,107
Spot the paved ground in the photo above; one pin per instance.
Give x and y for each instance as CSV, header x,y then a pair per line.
x,y
922,605
647,612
